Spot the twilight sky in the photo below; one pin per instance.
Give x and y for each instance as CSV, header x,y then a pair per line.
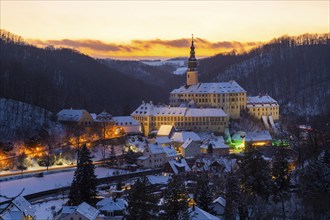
x,y
128,29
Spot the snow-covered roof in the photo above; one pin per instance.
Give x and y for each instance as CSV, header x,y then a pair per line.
x,y
179,163
228,164
165,130
219,142
71,114
196,213
87,211
109,204
162,140
125,120
148,109
104,116
182,136
170,151
12,215
186,143
258,136
142,158
156,149
94,116
213,87
221,201
23,205
68,209
260,101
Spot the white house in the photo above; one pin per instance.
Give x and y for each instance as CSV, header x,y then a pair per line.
x,y
176,166
111,208
128,123
196,213
18,209
219,206
178,138
84,211
155,156
190,148
218,147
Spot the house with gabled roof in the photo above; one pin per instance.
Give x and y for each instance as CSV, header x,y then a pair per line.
x,y
18,209
84,211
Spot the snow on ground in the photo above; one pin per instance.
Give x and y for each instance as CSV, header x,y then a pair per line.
x,y
48,182
158,179
45,210
136,143
180,71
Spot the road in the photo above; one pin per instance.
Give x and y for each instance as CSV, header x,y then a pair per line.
x,y
64,167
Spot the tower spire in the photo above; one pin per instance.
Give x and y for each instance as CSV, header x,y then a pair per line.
x,y
192,74
192,49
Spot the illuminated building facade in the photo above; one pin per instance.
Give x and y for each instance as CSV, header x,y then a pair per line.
x,y
152,117
229,96
263,105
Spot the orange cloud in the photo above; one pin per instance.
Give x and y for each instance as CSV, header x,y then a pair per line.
x,y
147,48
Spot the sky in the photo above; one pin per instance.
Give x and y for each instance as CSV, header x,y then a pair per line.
x,y
149,29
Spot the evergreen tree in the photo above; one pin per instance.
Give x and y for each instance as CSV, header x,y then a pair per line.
x,y
83,187
142,204
175,202
315,187
203,195
281,177
255,171
232,196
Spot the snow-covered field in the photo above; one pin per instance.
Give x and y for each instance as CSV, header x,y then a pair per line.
x,y
48,182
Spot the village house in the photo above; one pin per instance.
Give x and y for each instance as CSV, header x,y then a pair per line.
x,y
112,208
128,123
215,147
84,211
155,156
176,166
190,148
75,117
18,209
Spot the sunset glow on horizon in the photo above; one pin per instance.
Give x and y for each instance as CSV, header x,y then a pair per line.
x,y
160,28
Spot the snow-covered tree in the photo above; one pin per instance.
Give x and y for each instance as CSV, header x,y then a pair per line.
x,y
83,187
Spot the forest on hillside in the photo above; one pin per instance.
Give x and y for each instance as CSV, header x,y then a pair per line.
x,y
293,70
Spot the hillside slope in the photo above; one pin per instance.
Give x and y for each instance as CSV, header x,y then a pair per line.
x,y
293,70
62,78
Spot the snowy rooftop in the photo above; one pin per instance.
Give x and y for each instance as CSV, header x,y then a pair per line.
x,y
186,143
258,136
162,140
205,88
182,163
88,211
170,151
104,116
23,205
125,120
71,114
156,149
260,100
148,109
221,201
165,130
109,204
198,214
219,142
184,135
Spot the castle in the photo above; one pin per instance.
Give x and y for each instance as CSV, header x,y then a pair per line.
x,y
205,106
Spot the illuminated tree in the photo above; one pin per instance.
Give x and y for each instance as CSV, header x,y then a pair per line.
x,y
83,187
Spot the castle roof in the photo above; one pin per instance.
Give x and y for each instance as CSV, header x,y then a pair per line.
x,y
213,87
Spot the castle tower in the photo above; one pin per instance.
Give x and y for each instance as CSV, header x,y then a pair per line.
x,y
192,73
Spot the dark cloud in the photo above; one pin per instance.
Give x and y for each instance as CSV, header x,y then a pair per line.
x,y
145,46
